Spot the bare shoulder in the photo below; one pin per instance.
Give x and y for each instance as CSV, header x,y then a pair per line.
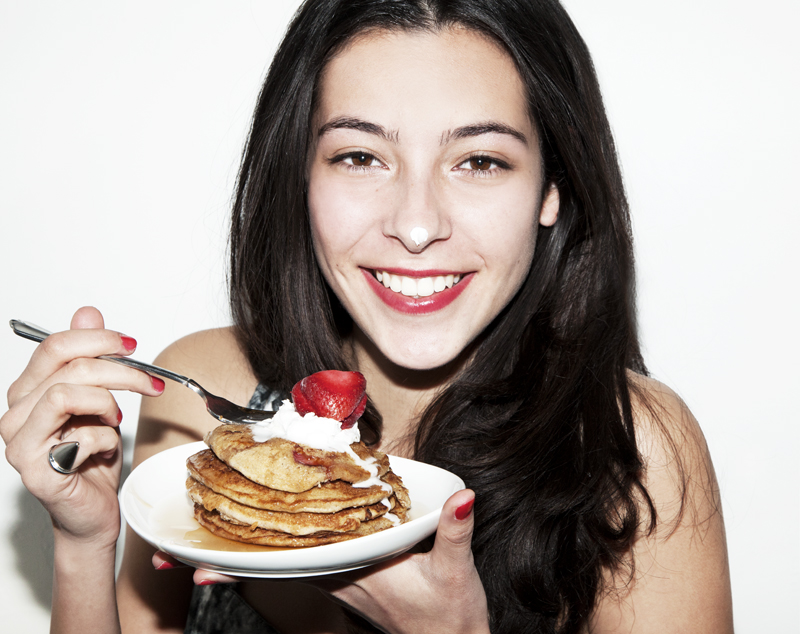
x,y
659,414
680,581
679,473
215,360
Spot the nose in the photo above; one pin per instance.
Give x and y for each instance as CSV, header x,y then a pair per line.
x,y
419,216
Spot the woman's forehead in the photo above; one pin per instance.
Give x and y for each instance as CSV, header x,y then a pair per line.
x,y
407,79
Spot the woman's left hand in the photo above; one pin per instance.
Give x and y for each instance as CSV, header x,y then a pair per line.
x,y
438,591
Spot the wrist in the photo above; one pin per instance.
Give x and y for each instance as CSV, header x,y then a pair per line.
x,y
74,553
84,590
103,540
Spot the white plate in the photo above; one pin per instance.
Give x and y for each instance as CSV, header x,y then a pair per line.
x,y
156,506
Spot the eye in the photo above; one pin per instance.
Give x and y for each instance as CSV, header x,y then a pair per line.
x,y
481,165
357,160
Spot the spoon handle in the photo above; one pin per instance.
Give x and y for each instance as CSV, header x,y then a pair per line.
x,y
33,332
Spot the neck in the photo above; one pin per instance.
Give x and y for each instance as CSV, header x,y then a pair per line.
x,y
399,394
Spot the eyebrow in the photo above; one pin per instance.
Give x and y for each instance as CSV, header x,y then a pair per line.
x,y
477,129
353,123
464,132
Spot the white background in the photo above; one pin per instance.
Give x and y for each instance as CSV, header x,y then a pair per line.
x,y
121,126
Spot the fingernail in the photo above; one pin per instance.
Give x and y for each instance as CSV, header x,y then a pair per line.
x,y
206,582
119,416
129,343
463,511
158,384
165,565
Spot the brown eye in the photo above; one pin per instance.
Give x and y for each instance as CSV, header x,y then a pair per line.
x,y
362,159
480,163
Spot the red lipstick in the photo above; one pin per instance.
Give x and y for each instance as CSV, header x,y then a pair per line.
x,y
416,305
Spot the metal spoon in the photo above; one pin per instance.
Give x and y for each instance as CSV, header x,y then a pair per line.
x,y
220,408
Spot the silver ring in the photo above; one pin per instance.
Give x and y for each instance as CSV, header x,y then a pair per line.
x,y
62,457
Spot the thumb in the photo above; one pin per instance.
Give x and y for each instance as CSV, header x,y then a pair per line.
x,y
86,317
453,544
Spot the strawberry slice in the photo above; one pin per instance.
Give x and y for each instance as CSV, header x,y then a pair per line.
x,y
332,394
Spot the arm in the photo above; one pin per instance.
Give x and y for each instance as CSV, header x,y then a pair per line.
x,y
681,581
157,600
63,393
76,569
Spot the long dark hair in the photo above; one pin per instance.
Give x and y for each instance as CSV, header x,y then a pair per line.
x,y
540,422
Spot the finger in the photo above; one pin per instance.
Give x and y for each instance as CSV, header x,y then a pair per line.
x,y
92,372
87,317
163,561
452,548
58,404
62,347
207,578
94,441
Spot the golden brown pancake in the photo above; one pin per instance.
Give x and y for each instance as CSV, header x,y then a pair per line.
x,y
400,492
328,497
214,523
292,523
280,493
285,465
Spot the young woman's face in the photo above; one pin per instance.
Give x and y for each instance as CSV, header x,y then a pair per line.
x,y
425,189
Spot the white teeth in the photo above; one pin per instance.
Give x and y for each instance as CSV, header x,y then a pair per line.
x,y
417,286
425,287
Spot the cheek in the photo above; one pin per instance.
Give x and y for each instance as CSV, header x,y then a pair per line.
x,y
504,227
339,219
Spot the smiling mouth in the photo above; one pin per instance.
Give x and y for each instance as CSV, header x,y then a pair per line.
x,y
416,286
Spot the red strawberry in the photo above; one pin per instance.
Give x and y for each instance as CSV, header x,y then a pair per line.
x,y
332,394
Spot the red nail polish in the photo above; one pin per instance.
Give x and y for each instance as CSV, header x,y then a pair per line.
x,y
165,565
158,384
463,511
119,416
206,582
129,343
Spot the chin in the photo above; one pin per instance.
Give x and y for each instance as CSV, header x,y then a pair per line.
x,y
422,357
421,363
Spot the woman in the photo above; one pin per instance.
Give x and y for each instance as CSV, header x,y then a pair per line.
x,y
394,145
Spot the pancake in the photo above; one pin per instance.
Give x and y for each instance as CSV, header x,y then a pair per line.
x,y
293,523
287,466
297,480
328,497
214,523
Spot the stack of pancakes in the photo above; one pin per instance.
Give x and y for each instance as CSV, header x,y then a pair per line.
x,y
280,493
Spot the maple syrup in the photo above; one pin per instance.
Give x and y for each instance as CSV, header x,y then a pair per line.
x,y
203,539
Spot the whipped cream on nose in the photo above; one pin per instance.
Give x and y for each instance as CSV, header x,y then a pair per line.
x,y
419,235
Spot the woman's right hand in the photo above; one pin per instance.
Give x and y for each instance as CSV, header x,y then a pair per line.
x,y
63,394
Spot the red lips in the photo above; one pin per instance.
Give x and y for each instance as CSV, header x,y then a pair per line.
x,y
416,305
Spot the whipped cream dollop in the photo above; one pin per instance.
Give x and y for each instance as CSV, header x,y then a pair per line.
x,y
309,430
317,432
